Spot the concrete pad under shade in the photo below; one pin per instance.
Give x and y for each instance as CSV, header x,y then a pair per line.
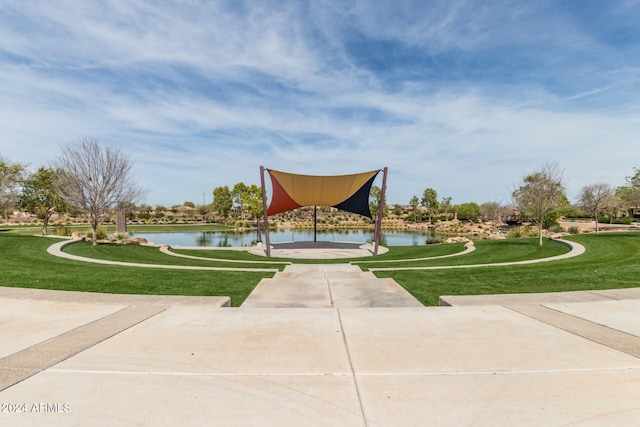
x,y
99,399
622,315
585,398
466,339
230,341
25,323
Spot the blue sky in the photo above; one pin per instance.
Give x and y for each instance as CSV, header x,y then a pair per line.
x,y
464,97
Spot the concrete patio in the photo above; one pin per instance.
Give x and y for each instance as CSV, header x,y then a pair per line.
x,y
323,345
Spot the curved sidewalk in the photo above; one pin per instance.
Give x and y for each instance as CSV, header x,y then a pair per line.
x,y
56,250
576,250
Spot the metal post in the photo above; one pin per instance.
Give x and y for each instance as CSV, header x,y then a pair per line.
x,y
315,222
380,212
264,212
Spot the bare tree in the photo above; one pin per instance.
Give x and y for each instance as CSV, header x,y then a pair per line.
x,y
95,179
492,211
596,199
541,196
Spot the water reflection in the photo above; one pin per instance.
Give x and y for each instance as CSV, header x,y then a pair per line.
x,y
240,239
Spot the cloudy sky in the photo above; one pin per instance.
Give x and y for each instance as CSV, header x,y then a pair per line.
x,y
461,96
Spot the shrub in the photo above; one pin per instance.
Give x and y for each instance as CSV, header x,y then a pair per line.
x,y
433,240
119,236
61,230
516,232
574,230
101,233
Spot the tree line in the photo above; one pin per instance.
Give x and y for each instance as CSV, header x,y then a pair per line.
x,y
245,198
86,177
540,198
89,178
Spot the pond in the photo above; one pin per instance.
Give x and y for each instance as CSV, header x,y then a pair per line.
x,y
239,239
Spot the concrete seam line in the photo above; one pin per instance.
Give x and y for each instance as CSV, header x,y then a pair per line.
x,y
38,357
353,373
592,331
348,374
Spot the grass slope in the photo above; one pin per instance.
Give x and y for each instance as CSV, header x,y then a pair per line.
x,y
152,255
612,260
24,262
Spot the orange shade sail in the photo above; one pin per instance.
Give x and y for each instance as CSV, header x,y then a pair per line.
x,y
346,192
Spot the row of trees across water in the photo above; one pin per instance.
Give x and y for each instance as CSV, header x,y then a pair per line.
x,y
89,178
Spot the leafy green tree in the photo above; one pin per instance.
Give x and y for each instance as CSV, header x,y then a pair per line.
x,y
39,196
630,193
414,203
445,207
541,196
222,201
189,204
252,200
468,211
430,202
374,201
11,177
595,199
237,195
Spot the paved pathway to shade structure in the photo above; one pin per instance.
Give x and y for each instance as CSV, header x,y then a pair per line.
x,y
557,359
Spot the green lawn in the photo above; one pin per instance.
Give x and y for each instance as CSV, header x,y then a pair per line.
x,y
487,251
24,262
152,255
612,260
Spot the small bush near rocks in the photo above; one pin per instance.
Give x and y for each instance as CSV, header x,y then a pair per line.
x,y
101,233
61,230
574,230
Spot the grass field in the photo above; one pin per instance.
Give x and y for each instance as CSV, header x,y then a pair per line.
x,y
24,262
612,260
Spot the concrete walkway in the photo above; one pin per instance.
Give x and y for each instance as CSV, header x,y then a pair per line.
x,y
125,363
323,286
69,358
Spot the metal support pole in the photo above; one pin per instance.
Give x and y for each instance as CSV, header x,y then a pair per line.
x,y
315,222
380,212
264,212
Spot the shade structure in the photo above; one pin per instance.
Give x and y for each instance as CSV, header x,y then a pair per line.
x,y
346,192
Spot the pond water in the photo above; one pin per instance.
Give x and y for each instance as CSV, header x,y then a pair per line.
x,y
249,238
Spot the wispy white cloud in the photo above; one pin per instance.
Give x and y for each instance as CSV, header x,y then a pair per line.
x,y
464,97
